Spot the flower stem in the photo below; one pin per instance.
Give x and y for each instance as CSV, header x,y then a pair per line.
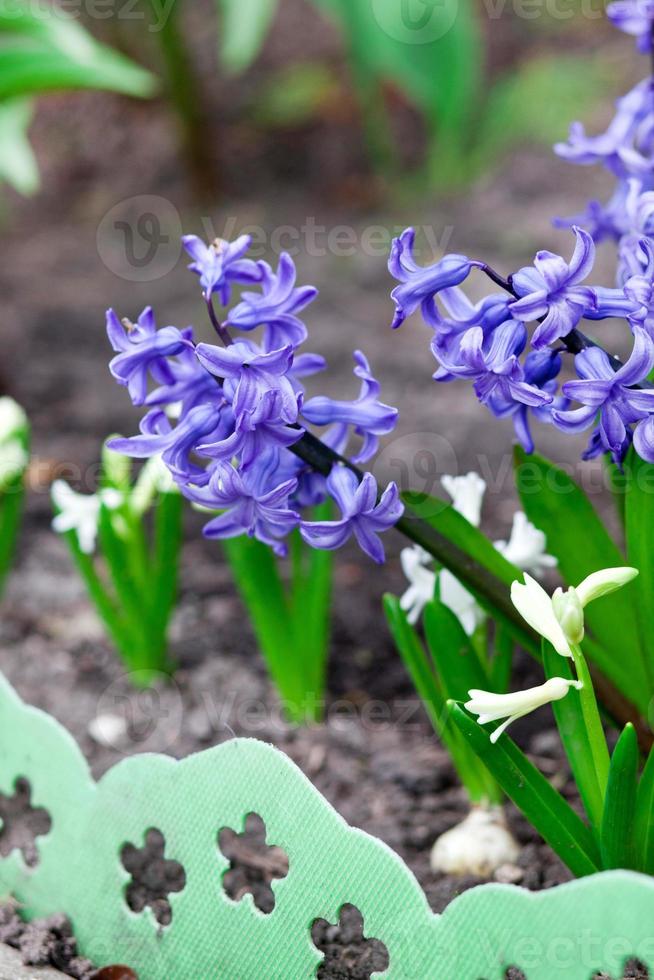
x,y
592,720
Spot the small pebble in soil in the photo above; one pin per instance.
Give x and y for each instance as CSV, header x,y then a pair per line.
x,y
115,973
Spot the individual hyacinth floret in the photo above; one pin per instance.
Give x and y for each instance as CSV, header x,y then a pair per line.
x,y
511,344
225,418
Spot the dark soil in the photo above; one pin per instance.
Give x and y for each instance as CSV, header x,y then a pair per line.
x,y
50,942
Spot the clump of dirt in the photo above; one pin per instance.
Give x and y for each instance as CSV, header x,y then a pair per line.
x,y
45,942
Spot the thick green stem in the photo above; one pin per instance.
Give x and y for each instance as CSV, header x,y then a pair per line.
x,y
592,720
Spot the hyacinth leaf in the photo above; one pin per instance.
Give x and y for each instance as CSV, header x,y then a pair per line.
x,y
116,469
617,832
532,100
574,737
103,602
644,822
478,565
310,604
502,660
454,657
258,580
167,546
434,55
243,28
18,166
542,805
12,497
472,772
639,529
576,536
45,50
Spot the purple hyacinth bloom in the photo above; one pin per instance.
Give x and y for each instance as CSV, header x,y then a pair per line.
x,y
634,17
633,258
611,394
275,306
370,417
176,445
220,264
142,351
492,363
186,384
361,515
255,503
489,313
541,370
254,432
249,373
551,290
419,284
617,148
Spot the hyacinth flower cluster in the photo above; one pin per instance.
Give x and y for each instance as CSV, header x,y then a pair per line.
x,y
511,345
230,420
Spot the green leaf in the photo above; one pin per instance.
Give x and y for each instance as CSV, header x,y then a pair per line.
x,y
102,600
577,537
257,577
295,95
639,529
168,532
12,498
574,736
310,608
502,661
244,25
18,165
644,828
544,808
534,101
455,659
617,833
434,55
473,559
33,70
473,774
43,49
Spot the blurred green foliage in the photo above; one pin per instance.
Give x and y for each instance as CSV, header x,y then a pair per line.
x,y
43,50
433,51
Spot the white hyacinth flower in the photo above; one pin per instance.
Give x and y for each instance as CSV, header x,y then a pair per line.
x,y
492,707
12,419
80,512
154,478
560,619
467,493
526,547
422,579
461,602
13,460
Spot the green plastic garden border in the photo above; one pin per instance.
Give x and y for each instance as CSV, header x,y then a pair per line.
x,y
567,933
